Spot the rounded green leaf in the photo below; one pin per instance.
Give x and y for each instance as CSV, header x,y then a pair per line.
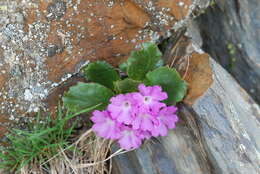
x,y
127,85
86,95
102,73
142,61
123,67
170,81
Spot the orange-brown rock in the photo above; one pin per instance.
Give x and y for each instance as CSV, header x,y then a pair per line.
x,y
43,43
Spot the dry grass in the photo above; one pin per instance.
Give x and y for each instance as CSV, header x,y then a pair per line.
x,y
52,147
90,155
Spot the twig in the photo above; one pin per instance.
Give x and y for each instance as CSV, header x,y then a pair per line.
x,y
187,67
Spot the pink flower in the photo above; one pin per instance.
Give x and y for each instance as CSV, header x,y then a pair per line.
x,y
130,139
122,108
133,117
166,120
144,120
145,135
150,97
155,92
104,125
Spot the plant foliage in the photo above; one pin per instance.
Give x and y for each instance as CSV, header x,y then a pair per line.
x,y
85,95
170,81
102,73
126,85
141,62
42,140
143,66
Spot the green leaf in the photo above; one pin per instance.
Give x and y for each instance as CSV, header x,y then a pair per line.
x,y
142,61
86,95
126,85
170,81
101,72
159,63
83,111
123,66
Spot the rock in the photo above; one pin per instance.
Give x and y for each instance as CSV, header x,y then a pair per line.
x,y
55,38
53,50
16,70
228,120
231,35
219,127
219,133
56,10
177,153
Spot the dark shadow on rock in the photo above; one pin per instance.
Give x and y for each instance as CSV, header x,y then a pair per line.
x,y
231,34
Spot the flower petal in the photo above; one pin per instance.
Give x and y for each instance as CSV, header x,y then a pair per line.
x,y
130,139
105,127
98,116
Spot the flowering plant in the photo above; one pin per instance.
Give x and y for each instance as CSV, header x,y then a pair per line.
x,y
134,106
135,116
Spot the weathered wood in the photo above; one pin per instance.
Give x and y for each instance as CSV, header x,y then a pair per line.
x,y
231,34
219,134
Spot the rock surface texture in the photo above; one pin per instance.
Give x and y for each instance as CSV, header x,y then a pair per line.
x,y
219,131
218,134
45,42
231,35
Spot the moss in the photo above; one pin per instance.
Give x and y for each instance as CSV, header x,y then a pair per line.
x,y
212,3
232,55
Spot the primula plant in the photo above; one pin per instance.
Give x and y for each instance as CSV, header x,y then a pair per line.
x,y
133,106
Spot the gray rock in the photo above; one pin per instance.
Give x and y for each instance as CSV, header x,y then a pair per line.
x,y
56,10
228,120
219,135
19,18
16,70
231,34
53,50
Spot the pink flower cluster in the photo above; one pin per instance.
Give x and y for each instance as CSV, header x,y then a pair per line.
x,y
133,117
